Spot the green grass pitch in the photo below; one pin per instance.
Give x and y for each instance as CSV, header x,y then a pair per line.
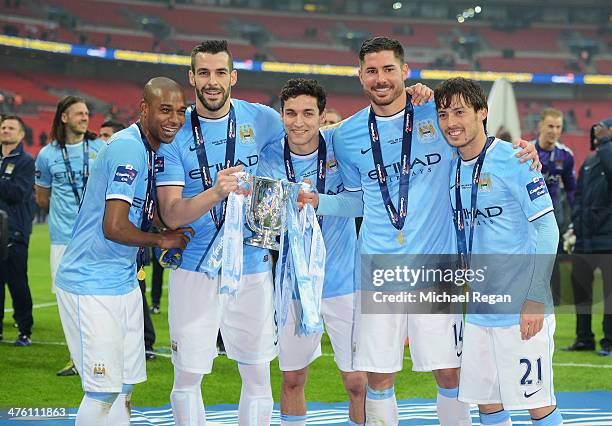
x,y
27,375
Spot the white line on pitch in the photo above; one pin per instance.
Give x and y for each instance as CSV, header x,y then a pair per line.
x,y
39,305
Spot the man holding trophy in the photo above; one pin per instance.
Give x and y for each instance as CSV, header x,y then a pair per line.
x,y
219,132
306,154
193,183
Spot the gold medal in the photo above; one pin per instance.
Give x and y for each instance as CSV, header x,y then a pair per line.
x,y
141,275
400,237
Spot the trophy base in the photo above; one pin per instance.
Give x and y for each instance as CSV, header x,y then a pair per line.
x,y
262,242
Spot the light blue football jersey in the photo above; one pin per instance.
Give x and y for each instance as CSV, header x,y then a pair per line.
x,y
51,173
257,125
93,264
510,197
428,228
338,232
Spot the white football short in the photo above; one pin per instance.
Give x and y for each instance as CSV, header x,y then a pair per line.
x,y
297,352
435,341
105,336
499,367
196,312
56,253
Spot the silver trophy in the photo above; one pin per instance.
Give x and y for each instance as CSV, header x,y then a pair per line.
x,y
265,209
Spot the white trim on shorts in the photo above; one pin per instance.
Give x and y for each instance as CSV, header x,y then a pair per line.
x,y
297,352
196,312
496,362
379,341
105,336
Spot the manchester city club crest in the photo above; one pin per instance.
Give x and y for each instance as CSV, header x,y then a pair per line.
x,y
99,371
484,184
332,165
247,135
426,131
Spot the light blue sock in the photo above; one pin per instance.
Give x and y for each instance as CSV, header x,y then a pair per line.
x,y
349,422
378,395
553,419
381,406
494,418
288,419
449,393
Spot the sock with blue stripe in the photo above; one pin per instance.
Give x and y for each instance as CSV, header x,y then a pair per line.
x,y
381,407
499,418
553,419
121,410
289,420
451,411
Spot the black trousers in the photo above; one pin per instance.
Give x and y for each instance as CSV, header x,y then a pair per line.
x,y
582,283
158,281
14,273
149,331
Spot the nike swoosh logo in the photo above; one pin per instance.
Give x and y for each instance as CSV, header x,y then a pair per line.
x,y
529,395
459,354
192,148
365,151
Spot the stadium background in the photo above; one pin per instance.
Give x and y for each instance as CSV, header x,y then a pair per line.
x,y
556,53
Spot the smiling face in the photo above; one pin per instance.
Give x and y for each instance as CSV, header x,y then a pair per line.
x,y
163,115
462,126
302,120
382,77
76,119
212,78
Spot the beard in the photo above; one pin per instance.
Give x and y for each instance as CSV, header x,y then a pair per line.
x,y
216,105
76,129
396,93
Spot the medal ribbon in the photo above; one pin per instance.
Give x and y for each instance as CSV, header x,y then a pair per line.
x,y
230,152
321,167
397,220
464,248
72,176
150,196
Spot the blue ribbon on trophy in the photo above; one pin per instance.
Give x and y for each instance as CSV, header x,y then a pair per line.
x,y
225,252
232,242
307,258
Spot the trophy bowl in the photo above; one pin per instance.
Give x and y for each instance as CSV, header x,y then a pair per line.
x,y
264,211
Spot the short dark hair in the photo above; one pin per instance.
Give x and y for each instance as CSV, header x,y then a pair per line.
x,y
379,44
58,129
471,92
16,118
303,86
114,124
213,47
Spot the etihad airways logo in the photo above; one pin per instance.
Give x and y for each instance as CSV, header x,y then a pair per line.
x,y
249,161
419,166
483,215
